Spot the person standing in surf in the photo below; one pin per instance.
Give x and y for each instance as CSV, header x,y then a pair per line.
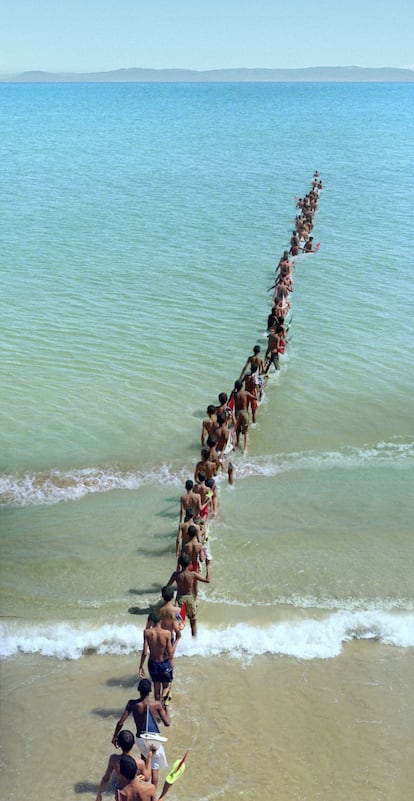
x,y
241,400
186,581
191,500
160,651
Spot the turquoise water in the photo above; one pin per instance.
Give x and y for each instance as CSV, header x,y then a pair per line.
x,y
141,228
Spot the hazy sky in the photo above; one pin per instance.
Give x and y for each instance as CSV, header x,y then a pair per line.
x,y
88,35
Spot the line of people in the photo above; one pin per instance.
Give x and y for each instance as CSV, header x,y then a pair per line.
x,y
225,424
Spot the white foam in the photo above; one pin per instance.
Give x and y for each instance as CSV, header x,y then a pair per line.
x,y
310,638
55,486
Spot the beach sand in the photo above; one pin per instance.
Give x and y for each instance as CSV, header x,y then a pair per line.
x,y
284,728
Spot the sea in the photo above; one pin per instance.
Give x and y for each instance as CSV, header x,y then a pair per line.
x,y
141,225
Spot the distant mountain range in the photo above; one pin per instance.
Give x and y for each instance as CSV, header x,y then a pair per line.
x,y
140,75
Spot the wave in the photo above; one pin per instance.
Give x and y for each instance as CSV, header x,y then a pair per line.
x,y
307,639
55,486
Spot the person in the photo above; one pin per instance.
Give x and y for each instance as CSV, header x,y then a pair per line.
x,y
226,406
294,242
205,464
241,399
287,282
251,383
283,261
282,307
158,647
186,581
271,320
126,742
139,708
223,434
276,346
252,361
183,529
208,494
281,292
135,788
191,500
309,245
209,424
224,445
213,453
194,549
169,613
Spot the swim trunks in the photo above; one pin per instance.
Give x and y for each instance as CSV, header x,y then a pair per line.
x,y
191,604
242,420
159,760
194,566
160,671
253,404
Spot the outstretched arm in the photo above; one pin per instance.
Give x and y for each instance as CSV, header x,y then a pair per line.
x,y
119,725
244,369
172,579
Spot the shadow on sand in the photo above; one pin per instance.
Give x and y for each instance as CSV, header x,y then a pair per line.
x,y
123,681
85,787
139,610
107,713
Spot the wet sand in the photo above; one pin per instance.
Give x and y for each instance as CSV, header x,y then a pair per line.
x,y
273,727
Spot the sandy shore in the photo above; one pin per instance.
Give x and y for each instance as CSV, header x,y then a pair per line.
x,y
285,729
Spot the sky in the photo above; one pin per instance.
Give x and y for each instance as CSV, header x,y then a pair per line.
x,y
97,35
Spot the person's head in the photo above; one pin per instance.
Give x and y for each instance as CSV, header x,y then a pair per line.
x,y
184,560
201,476
238,385
189,514
205,453
256,349
154,617
125,740
223,398
167,593
144,687
211,440
192,532
189,485
221,418
211,409
128,767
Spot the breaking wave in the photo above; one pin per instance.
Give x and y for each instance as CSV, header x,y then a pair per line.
x,y
55,486
308,638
